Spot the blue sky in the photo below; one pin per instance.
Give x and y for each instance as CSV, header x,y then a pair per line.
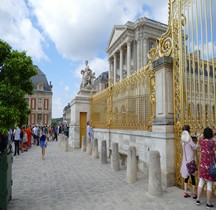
x,y
60,35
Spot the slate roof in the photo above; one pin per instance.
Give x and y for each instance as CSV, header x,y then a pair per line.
x,y
40,78
103,78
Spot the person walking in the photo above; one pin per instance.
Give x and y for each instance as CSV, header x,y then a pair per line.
x,y
89,130
188,148
43,143
207,149
17,133
55,133
25,140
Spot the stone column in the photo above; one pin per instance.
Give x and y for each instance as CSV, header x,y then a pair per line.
x,y
66,144
141,52
83,143
95,149
154,184
131,175
128,58
145,50
89,147
110,67
115,70
138,53
135,55
121,63
163,125
103,152
115,162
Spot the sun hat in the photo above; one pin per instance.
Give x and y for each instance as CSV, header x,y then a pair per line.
x,y
185,137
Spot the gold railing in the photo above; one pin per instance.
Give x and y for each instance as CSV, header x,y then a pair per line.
x,y
190,41
130,104
192,30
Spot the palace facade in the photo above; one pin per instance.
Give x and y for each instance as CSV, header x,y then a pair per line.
x,y
40,103
128,46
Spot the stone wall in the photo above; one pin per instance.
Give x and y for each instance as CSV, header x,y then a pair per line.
x,y
144,142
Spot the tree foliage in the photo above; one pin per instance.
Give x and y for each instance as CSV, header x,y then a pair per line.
x,y
16,69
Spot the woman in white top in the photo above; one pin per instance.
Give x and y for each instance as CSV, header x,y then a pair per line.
x,y
188,148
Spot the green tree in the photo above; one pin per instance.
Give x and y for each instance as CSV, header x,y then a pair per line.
x,y
16,69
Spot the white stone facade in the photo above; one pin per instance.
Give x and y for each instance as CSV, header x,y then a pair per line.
x,y
128,46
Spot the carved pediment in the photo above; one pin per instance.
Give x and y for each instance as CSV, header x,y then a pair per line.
x,y
115,35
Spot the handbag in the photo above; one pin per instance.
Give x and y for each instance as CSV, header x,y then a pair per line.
x,y
212,168
191,166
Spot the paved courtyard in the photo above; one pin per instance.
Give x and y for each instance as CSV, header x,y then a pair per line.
x,y
75,181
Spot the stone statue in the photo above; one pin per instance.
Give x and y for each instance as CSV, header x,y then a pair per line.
x,y
87,77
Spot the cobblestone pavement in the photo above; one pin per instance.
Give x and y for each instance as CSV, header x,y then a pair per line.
x,y
75,181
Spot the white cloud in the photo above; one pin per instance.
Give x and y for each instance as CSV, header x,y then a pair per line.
x,y
80,29
17,29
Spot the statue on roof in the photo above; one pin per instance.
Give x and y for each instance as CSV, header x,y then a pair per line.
x,y
87,77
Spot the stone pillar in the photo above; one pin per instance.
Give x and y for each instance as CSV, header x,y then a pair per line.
x,y
89,147
95,149
145,50
163,125
66,144
110,68
128,58
141,52
115,162
138,54
155,184
135,55
121,63
131,175
103,152
115,70
83,143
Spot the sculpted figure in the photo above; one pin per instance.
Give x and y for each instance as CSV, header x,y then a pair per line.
x,y
87,77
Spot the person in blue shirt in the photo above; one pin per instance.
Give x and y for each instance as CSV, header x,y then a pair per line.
x,y
89,130
43,144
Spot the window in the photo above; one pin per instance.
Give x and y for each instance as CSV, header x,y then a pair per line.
x,y
40,86
206,88
33,103
151,43
46,104
39,119
45,119
32,119
39,103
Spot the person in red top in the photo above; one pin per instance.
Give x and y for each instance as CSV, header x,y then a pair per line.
x,y
29,134
207,149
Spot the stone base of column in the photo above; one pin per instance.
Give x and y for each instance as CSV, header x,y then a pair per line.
x,y
103,156
83,143
131,175
95,149
115,163
155,184
89,147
